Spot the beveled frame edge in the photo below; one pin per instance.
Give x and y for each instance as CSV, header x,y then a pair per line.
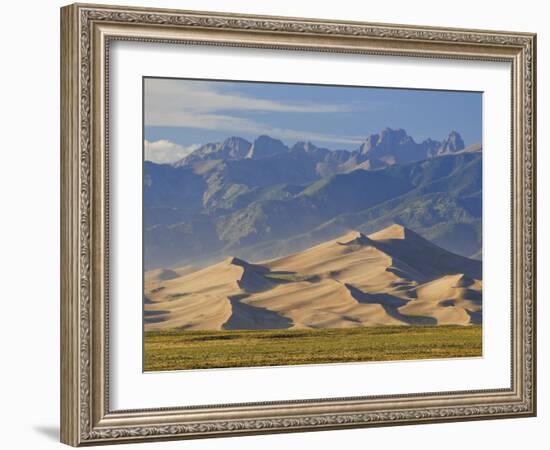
x,y
85,33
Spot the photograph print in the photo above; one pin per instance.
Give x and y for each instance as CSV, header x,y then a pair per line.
x,y
290,224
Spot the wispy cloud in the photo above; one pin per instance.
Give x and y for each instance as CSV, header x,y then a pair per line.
x,y
177,95
203,105
165,152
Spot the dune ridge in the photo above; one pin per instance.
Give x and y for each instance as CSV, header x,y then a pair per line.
x,y
390,277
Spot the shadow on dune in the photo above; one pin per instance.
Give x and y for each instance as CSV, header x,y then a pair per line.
x,y
464,282
248,317
390,305
155,316
167,274
380,299
416,252
253,277
474,296
285,277
447,303
476,317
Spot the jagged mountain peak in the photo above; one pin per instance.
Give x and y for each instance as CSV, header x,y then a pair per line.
x,y
238,145
233,147
232,140
304,146
385,138
395,146
453,142
387,147
392,146
393,135
265,138
265,146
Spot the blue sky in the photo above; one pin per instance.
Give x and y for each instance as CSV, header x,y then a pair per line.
x,y
180,114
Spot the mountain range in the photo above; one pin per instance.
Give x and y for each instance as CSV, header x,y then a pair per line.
x,y
262,199
391,277
385,148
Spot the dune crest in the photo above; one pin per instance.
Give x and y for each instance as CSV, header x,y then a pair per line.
x,y
394,231
391,277
354,238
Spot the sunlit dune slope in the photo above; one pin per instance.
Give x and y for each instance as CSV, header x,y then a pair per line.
x,y
391,277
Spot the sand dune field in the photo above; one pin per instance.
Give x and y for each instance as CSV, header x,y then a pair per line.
x,y
391,277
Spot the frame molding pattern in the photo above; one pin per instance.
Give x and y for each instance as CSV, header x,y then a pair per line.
x,y
85,242
77,391
303,423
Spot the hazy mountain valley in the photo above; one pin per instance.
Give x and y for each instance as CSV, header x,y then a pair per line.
x,y
261,200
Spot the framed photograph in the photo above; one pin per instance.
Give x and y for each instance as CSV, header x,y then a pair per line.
x,y
276,224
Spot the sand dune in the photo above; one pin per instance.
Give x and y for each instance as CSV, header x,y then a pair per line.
x,y
166,274
202,299
412,252
451,299
391,277
326,304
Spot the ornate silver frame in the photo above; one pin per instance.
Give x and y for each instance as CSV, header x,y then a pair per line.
x,y
86,32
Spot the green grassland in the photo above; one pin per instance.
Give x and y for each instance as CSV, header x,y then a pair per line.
x,y
181,349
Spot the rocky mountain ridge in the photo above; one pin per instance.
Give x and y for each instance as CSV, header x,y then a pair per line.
x,y
259,200
389,146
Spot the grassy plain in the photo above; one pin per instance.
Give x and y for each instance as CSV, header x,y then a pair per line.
x,y
181,349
